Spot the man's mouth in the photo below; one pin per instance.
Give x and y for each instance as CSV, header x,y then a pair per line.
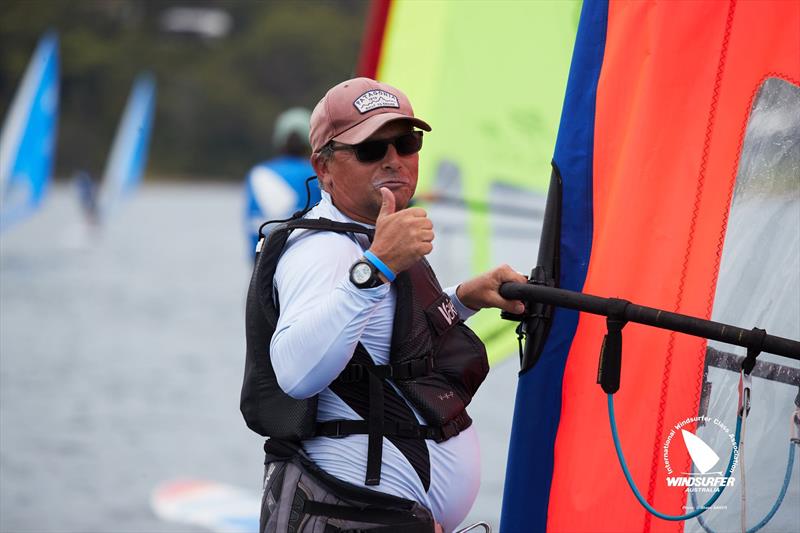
x,y
392,184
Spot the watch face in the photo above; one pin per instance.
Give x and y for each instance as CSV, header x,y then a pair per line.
x,y
361,273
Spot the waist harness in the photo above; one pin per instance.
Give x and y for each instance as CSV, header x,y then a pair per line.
x,y
300,497
435,360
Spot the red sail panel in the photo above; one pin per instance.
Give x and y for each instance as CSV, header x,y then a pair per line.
x,y
372,42
675,92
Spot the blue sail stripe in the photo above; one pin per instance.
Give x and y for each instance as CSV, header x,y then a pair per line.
x,y
538,403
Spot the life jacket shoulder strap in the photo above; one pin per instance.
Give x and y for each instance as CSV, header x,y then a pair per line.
x,y
271,250
323,224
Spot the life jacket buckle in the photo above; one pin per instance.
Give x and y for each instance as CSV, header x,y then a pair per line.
x,y
338,433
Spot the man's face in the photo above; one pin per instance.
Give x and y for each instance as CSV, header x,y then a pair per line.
x,y
355,186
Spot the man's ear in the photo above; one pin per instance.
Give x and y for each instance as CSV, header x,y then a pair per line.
x,y
320,165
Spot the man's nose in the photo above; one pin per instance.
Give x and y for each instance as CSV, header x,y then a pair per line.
x,y
392,158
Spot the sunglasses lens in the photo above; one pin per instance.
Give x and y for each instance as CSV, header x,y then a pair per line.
x,y
371,151
408,144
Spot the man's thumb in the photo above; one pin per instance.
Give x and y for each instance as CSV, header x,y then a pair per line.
x,y
388,205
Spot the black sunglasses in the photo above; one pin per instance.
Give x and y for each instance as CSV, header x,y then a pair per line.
x,y
372,151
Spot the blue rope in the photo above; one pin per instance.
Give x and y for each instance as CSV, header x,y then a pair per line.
x,y
696,512
775,506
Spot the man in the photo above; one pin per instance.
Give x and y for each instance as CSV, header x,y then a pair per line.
x,y
276,188
364,339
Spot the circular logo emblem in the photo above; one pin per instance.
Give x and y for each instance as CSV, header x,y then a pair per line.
x,y
709,470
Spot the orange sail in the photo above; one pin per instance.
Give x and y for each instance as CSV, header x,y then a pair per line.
x,y
653,127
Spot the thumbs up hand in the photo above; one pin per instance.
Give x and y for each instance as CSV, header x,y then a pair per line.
x,y
401,238
388,204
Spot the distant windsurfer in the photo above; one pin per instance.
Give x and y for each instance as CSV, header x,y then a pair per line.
x,y
276,188
87,193
365,340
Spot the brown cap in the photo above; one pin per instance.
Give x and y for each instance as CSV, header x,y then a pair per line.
x,y
355,109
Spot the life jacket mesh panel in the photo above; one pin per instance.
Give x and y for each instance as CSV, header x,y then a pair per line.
x,y
268,410
444,394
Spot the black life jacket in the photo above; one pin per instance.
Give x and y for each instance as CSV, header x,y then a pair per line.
x,y
435,360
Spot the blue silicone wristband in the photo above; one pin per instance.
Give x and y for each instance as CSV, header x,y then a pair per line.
x,y
380,265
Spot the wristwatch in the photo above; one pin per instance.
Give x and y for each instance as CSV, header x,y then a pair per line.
x,y
364,275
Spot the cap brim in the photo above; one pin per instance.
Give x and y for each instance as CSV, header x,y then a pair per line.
x,y
363,130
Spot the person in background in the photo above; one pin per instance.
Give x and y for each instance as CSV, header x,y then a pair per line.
x,y
275,189
87,194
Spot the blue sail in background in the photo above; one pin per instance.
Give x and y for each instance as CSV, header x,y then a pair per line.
x,y
128,157
28,138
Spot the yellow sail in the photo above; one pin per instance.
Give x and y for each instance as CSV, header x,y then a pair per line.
x,y
490,78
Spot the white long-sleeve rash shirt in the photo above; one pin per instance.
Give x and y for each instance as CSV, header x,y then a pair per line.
x,y
322,318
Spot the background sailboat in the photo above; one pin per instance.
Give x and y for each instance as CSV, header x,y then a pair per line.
x,y
128,156
28,138
124,167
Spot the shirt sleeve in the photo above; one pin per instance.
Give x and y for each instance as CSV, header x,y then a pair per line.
x,y
463,311
322,314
